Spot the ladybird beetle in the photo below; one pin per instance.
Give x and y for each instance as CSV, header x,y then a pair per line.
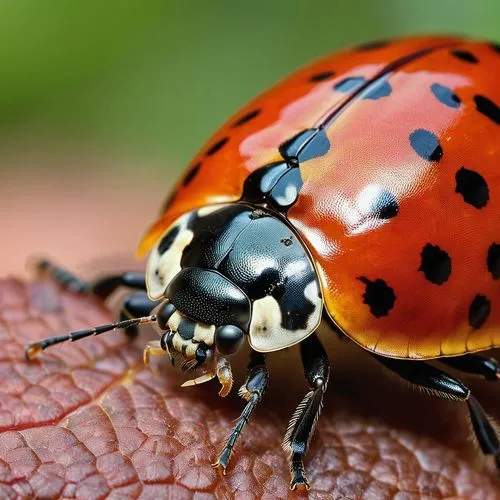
x,y
363,189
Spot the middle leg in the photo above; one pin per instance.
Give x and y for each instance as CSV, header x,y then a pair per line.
x,y
303,422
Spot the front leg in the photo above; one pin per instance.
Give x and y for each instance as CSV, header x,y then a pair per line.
x,y
303,422
252,391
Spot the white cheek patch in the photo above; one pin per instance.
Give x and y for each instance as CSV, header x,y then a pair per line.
x,y
209,209
266,331
161,269
204,333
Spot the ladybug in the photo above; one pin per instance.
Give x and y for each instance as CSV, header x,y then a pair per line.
x,y
363,190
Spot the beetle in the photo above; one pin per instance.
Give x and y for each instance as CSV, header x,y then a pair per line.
x,y
364,190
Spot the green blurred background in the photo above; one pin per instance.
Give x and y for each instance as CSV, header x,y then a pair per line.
x,y
107,100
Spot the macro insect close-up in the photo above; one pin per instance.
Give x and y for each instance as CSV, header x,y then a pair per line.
x,y
359,196
274,222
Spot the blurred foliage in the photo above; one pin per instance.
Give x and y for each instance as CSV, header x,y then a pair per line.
x,y
157,77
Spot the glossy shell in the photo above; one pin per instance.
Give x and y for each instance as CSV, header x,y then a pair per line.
x,y
398,200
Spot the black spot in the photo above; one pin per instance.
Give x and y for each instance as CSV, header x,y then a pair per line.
x,y
191,174
350,84
169,201
379,88
479,310
378,296
436,264
495,47
378,44
465,55
487,108
472,187
218,145
445,95
246,118
319,77
426,145
493,260
167,240
383,204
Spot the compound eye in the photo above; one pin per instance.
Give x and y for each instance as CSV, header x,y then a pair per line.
x,y
228,339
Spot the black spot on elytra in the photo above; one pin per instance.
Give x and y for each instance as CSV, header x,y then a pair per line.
x,y
377,44
426,145
377,89
217,146
167,240
445,95
191,174
493,260
246,118
435,264
472,187
495,47
378,296
488,108
383,205
350,84
169,201
320,77
465,55
479,310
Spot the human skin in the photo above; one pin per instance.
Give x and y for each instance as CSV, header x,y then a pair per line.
x,y
87,419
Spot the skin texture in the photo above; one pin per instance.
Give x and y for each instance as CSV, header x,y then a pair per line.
x,y
425,132
87,420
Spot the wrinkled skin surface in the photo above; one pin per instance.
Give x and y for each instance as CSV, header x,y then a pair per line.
x,y
87,420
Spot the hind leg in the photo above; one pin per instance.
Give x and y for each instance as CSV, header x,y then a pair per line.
x,y
440,384
474,364
102,287
134,305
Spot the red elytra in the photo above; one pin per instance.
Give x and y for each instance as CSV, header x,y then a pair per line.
x,y
400,198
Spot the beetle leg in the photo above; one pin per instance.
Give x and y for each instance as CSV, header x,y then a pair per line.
x,y
443,385
153,348
135,305
102,287
303,422
489,368
252,391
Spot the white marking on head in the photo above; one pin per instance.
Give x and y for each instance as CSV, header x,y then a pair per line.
x,y
209,209
161,269
266,332
204,333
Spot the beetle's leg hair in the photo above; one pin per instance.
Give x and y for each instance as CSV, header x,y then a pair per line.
x,y
443,385
489,368
135,305
252,391
102,287
303,422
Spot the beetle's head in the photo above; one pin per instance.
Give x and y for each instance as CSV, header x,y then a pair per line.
x,y
227,273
